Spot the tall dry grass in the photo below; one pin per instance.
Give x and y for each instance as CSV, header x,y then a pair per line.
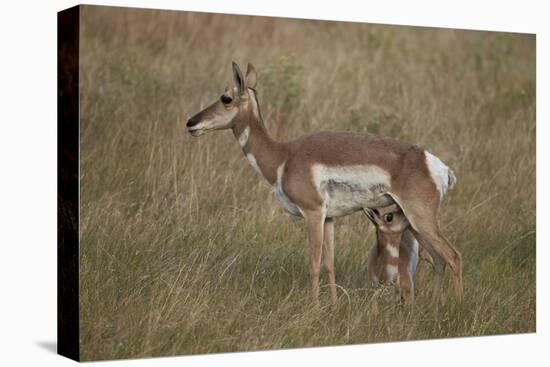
x,y
183,247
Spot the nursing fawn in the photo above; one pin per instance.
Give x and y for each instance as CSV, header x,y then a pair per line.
x,y
393,259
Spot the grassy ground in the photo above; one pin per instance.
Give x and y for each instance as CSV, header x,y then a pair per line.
x,y
184,249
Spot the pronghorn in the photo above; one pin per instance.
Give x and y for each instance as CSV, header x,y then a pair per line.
x,y
331,174
394,257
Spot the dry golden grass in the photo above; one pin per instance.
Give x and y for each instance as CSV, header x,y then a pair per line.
x,y
183,248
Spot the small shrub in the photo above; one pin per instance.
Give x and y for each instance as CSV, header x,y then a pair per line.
x,y
281,87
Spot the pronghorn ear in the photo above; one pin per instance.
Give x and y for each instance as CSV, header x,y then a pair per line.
x,y
251,78
238,78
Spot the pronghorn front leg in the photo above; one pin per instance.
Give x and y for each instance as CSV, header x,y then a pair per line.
x,y
315,227
328,250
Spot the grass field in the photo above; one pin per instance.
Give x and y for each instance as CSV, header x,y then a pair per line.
x,y
184,249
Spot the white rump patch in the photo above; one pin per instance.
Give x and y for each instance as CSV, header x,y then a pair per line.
x,y
285,202
253,163
439,172
392,250
243,138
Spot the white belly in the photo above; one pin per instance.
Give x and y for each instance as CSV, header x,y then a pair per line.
x,y
348,189
345,190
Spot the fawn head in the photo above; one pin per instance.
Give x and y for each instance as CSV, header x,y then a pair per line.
x,y
389,220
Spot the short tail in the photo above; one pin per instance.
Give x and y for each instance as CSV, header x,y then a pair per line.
x,y
452,179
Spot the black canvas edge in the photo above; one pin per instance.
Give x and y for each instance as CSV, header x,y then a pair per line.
x,y
68,325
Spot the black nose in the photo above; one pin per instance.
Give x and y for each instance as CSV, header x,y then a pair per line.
x,y
192,122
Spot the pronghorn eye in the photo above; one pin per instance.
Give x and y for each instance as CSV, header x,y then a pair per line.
x,y
389,217
226,99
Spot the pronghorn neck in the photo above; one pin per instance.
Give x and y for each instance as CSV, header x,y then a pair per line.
x,y
264,153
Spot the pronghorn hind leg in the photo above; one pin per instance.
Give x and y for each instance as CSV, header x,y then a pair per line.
x,y
406,286
425,255
328,253
443,253
315,227
422,215
438,263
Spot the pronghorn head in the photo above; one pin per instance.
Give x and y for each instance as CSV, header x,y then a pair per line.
x,y
389,220
222,113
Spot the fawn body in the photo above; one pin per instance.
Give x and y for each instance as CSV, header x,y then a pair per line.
x,y
394,257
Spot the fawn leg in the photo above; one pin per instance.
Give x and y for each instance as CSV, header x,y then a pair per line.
x,y
408,261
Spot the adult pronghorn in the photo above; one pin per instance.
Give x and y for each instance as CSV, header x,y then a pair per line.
x,y
330,174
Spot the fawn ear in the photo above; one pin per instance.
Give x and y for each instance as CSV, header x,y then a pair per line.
x,y
238,78
370,214
251,78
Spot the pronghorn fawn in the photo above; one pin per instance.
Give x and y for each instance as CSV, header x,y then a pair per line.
x,y
326,175
394,257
